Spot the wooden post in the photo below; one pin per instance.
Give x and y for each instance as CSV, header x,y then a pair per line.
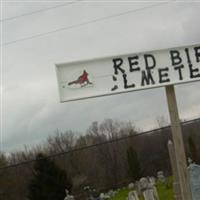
x,y
178,144
176,184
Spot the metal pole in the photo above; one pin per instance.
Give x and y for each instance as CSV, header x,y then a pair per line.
x,y
178,144
176,184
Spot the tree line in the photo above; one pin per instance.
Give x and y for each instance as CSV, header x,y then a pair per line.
x,y
109,162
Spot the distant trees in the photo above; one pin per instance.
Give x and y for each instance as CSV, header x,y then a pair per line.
x,y
49,182
60,142
133,164
3,160
111,164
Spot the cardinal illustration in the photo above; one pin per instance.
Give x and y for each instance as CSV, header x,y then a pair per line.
x,y
82,80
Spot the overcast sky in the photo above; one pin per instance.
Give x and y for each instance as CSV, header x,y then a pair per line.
x,y
31,108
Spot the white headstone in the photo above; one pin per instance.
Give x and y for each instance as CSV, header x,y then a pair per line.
x,y
130,186
161,177
152,183
194,173
68,197
144,183
152,180
138,187
148,189
103,196
132,195
111,193
148,194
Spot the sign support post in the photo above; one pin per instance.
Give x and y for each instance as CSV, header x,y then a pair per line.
x,y
176,184
178,144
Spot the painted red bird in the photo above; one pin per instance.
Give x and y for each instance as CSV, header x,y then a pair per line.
x,y
81,79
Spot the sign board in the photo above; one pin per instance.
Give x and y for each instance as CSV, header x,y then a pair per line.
x,y
125,73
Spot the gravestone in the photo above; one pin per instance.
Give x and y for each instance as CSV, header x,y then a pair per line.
x,y
148,190
161,177
138,187
152,182
68,196
194,173
130,186
132,195
103,196
91,193
111,193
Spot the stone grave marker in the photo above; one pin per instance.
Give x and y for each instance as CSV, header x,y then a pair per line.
x,y
148,190
68,196
130,186
194,174
161,177
103,196
132,195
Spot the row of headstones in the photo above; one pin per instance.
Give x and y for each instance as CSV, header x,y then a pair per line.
x,y
146,187
149,190
108,195
93,195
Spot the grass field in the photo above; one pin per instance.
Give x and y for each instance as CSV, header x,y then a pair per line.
x,y
164,192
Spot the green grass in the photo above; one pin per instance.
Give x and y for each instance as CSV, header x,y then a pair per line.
x,y
121,195
165,192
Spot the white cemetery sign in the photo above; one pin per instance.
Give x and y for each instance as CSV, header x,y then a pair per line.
x,y
125,73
